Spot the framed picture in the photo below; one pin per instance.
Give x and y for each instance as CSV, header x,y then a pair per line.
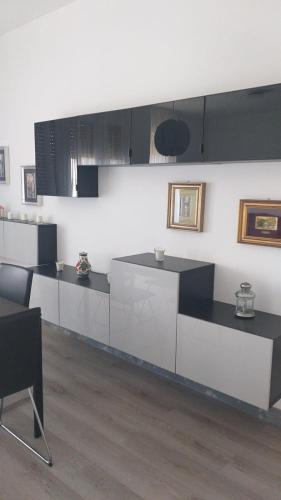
x,y
4,165
186,206
260,222
28,183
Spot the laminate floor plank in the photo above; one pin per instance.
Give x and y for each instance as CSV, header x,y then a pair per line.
x,y
119,432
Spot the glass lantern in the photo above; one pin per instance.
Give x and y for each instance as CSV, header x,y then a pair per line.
x,y
245,298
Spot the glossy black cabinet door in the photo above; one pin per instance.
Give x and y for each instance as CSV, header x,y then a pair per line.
x,y
58,173
169,133
56,157
145,121
191,113
243,125
66,156
104,138
45,158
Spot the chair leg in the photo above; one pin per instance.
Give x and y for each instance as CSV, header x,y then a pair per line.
x,y
49,460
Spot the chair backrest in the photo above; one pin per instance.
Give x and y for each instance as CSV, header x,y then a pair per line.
x,y
15,283
20,359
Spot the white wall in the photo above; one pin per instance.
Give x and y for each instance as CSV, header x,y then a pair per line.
x,y
97,55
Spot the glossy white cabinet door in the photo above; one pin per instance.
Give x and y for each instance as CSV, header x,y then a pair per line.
x,y
143,312
230,361
21,243
45,294
84,311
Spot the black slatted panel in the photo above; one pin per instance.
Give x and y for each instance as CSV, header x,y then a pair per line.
x,y
45,154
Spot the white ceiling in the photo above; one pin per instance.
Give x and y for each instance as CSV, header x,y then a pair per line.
x,y
15,13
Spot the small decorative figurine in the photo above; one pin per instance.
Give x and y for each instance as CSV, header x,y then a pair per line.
x,y
83,266
245,298
2,212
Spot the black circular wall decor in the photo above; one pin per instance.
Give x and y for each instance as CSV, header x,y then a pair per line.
x,y
172,137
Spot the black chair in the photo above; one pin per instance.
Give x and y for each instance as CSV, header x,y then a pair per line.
x,y
15,283
19,348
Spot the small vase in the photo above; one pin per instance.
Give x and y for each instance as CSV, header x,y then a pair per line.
x,y
83,266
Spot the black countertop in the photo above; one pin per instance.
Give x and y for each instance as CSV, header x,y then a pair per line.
x,y
173,264
264,324
95,281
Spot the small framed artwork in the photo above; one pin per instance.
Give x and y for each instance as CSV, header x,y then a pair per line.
x,y
260,222
4,165
28,184
186,206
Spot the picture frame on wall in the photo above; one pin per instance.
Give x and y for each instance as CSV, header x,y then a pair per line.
x,y
260,222
186,206
4,165
28,185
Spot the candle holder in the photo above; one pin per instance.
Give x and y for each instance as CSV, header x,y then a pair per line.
x,y
245,298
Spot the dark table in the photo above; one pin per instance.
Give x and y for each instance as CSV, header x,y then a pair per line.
x,y
17,316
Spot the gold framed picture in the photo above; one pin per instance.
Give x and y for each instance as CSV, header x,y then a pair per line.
x,y
260,222
186,206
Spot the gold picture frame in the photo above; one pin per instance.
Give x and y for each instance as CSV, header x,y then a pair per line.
x,y
260,222
186,206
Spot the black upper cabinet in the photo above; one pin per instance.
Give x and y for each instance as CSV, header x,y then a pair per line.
x,y
170,132
234,126
104,138
243,125
56,151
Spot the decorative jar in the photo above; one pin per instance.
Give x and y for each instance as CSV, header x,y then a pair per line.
x,y
83,266
245,298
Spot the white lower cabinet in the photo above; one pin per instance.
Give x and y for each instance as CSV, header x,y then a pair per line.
x,y
143,312
85,311
230,361
45,294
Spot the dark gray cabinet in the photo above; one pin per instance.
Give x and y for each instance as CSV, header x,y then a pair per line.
x,y
243,125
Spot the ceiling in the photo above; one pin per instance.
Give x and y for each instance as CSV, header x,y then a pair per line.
x,y
15,13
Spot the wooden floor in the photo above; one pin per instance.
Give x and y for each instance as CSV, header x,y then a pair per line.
x,y
119,432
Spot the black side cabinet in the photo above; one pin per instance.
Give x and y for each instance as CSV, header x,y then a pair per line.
x,y
104,138
169,133
243,125
56,151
